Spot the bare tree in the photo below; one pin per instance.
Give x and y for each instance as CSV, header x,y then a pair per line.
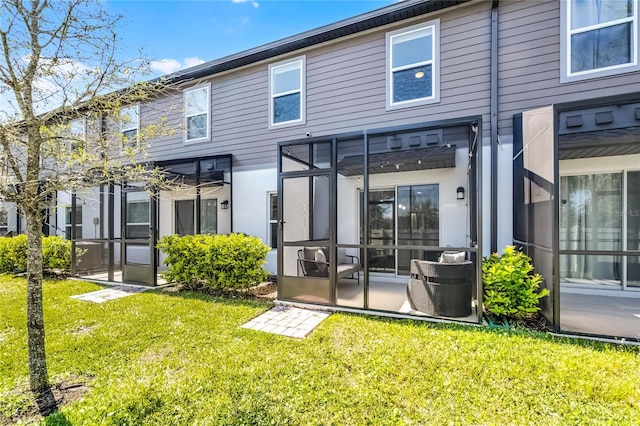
x,y
59,62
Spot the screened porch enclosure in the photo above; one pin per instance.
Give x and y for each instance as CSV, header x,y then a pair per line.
x,y
114,229
357,209
576,192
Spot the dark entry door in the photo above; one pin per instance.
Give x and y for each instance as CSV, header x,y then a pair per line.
x,y
138,224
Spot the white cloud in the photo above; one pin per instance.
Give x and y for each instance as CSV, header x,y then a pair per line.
x,y
255,4
168,66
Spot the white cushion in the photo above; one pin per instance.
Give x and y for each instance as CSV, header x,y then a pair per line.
x,y
453,257
321,260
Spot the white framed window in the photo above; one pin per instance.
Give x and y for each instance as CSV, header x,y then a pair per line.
x,y
197,114
413,65
287,97
77,133
68,222
130,126
272,225
599,38
185,214
4,221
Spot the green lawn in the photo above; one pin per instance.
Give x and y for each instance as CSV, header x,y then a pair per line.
x,y
158,358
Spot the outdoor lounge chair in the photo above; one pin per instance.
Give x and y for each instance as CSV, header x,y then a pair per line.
x,y
441,289
314,262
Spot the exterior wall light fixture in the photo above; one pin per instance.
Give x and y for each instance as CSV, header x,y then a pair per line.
x,y
460,193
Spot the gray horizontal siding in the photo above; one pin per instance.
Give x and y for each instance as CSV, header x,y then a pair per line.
x,y
529,63
345,92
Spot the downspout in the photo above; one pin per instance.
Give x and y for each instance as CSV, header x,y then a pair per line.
x,y
494,126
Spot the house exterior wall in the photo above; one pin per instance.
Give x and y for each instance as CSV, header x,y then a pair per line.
x,y
345,82
529,63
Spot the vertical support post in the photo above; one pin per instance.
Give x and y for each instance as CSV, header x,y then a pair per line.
x,y
365,218
74,257
479,245
494,127
198,199
111,231
555,243
333,223
153,238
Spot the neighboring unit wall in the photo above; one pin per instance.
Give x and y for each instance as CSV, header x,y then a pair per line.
x,y
529,63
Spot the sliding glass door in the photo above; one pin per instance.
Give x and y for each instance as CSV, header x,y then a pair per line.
x,y
402,216
600,213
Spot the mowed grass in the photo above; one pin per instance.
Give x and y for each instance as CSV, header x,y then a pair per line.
x,y
158,358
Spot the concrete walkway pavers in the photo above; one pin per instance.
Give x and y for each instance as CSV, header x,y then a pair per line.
x,y
287,321
102,296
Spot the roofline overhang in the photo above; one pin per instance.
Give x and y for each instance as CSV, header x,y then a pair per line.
x,y
387,15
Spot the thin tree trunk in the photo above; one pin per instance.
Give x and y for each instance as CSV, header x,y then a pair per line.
x,y
39,377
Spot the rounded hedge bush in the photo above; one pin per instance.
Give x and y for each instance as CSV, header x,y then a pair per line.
x,y
217,262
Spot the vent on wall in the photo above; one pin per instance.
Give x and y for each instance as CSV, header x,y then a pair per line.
x,y
574,121
604,117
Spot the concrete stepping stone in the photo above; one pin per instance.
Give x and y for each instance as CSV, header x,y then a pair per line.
x,y
287,321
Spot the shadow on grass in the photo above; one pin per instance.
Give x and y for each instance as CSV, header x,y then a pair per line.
x,y
227,298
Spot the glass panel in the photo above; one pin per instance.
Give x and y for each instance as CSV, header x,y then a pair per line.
x,y
350,286
286,108
381,229
195,101
273,236
286,78
601,48
139,254
4,217
633,210
349,182
585,13
413,83
590,212
129,118
412,48
322,155
590,269
137,216
295,158
320,217
209,216
197,127
273,206
418,221
185,221
633,271
295,209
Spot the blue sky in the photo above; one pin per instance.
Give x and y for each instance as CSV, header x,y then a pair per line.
x,y
178,34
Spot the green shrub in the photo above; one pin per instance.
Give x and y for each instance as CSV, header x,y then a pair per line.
x,y
218,262
13,254
56,252
511,289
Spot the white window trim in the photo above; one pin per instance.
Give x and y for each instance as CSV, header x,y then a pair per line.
x,y
269,220
126,127
302,60
565,46
83,136
435,66
207,137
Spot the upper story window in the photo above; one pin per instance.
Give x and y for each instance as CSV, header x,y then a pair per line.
x,y
413,69
197,104
600,38
77,133
287,92
130,125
